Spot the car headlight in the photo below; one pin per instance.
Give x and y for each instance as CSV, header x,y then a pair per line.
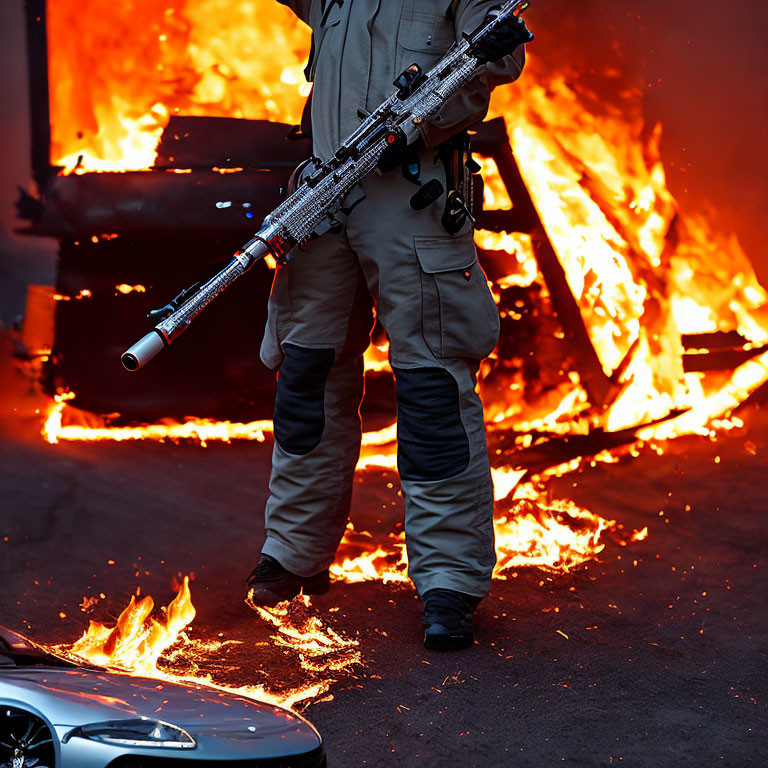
x,y
138,732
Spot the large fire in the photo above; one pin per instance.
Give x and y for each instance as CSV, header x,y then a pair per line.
x,y
643,275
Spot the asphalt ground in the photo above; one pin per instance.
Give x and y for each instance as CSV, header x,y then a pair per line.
x,y
653,655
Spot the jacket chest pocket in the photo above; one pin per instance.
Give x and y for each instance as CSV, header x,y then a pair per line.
x,y
424,37
427,32
458,313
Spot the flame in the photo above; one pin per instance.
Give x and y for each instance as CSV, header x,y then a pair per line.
x,y
555,536
495,195
137,640
139,644
115,83
376,358
642,272
64,422
361,558
531,530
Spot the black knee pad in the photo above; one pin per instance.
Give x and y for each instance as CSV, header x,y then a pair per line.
x,y
300,400
431,441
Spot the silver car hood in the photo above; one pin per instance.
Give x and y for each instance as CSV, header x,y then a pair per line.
x,y
216,720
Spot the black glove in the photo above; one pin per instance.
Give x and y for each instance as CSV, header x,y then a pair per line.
x,y
503,39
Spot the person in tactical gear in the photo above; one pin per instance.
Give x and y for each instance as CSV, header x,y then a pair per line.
x,y
419,269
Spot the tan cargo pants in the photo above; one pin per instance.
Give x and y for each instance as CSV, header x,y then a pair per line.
x,y
433,300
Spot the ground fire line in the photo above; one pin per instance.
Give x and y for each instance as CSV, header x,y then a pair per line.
x,y
139,644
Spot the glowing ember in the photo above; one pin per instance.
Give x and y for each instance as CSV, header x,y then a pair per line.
x,y
84,294
640,535
319,648
124,288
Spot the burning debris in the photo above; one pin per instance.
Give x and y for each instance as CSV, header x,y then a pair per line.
x,y
653,290
559,536
531,529
591,202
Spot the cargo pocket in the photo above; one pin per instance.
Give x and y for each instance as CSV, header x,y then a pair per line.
x,y
458,314
423,39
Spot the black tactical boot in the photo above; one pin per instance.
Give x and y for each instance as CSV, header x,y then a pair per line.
x,y
269,583
448,619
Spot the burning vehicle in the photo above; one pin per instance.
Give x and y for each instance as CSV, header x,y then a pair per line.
x,y
55,713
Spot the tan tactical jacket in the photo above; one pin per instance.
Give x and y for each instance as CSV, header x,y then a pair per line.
x,y
360,46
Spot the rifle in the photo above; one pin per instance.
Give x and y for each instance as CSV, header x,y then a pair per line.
x,y
326,188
